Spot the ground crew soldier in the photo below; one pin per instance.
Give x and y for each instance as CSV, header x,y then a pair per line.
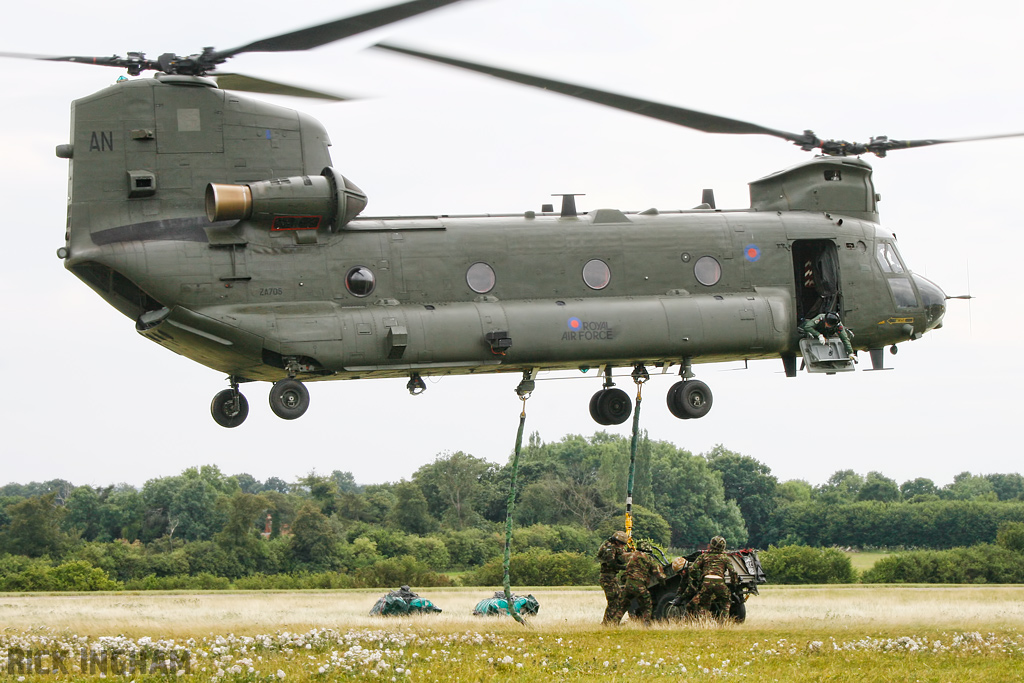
x,y
612,556
710,571
640,567
686,589
828,325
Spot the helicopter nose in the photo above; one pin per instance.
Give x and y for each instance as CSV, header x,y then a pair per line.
x,y
934,300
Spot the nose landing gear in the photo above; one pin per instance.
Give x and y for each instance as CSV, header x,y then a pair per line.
x,y
229,408
289,400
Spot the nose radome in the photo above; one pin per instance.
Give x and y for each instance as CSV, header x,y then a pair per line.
x,y
934,300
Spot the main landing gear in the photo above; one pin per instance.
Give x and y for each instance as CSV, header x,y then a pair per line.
x,y
289,400
610,406
687,399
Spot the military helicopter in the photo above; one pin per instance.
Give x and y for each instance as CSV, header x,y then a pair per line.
x,y
218,224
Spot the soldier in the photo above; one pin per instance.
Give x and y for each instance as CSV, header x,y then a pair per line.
x,y
710,571
640,567
686,589
612,556
828,325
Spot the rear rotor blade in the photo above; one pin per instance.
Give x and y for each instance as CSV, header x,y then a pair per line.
x,y
315,36
708,123
882,145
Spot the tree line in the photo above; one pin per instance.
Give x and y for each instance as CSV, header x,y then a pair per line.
x,y
448,515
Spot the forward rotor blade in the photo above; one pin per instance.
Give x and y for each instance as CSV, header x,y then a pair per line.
x,y
708,123
113,60
244,83
315,36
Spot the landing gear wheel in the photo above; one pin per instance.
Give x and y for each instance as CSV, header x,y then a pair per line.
x,y
226,412
672,399
289,399
610,407
692,398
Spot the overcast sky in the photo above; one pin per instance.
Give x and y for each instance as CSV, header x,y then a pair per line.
x,y
89,400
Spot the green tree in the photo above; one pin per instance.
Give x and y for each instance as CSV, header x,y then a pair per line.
x,y
842,487
410,512
802,565
750,484
918,487
967,486
84,512
123,514
315,540
323,490
452,486
276,484
1010,535
345,481
689,495
248,483
1007,486
794,491
879,487
34,529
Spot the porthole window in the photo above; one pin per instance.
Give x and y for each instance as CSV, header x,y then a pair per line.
x,y
707,271
480,278
360,281
596,274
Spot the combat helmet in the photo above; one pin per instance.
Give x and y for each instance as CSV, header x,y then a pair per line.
x,y
645,546
717,544
619,537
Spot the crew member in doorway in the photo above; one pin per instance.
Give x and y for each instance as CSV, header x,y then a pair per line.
x,y
828,325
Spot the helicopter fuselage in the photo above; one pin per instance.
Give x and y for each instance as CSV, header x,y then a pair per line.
x,y
294,285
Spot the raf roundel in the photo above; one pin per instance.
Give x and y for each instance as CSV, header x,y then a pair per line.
x,y
575,324
751,252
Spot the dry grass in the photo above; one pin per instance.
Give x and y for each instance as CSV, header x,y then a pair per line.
x,y
778,608
840,633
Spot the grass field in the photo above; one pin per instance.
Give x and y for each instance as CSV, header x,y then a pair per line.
x,y
862,561
836,633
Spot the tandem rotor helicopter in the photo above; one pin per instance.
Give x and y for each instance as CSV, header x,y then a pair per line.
x,y
220,226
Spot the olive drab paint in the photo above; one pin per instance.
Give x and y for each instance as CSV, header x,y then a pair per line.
x,y
335,295
220,226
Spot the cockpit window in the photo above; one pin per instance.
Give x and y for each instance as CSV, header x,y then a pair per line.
x,y
903,292
889,258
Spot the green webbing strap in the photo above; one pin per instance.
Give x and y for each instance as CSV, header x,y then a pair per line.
x,y
511,505
639,376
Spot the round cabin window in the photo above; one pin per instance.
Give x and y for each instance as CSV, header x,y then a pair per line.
x,y
360,281
480,278
596,274
707,271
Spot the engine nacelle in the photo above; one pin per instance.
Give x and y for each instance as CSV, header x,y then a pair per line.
x,y
296,203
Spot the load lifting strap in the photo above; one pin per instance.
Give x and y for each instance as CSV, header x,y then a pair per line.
x,y
639,376
525,389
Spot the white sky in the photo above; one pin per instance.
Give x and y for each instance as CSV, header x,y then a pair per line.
x,y
89,400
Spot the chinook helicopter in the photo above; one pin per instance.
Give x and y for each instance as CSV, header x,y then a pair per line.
x,y
218,224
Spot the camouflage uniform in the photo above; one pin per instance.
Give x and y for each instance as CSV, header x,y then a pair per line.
x,y
639,568
816,325
686,589
710,569
612,556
